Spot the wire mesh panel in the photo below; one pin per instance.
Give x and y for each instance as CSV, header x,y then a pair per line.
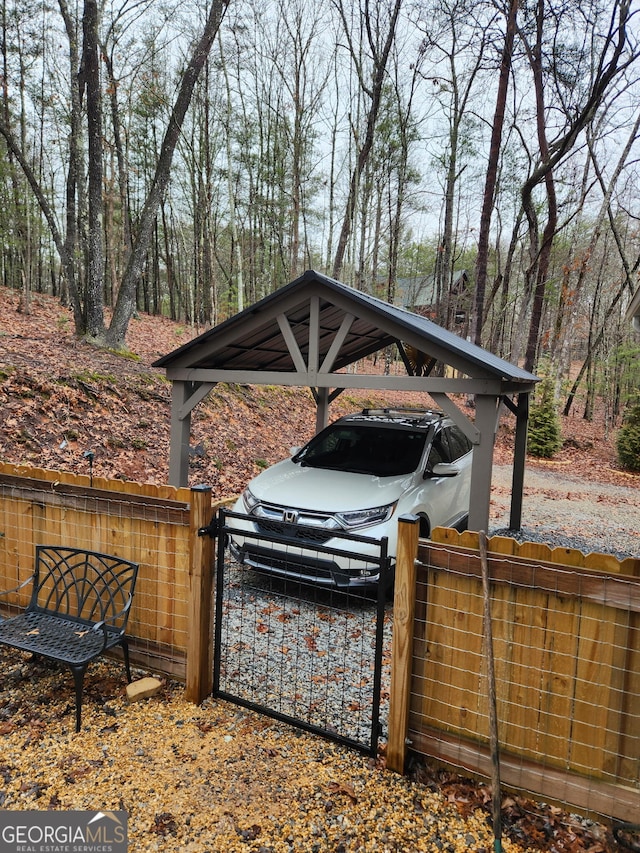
x,y
146,524
566,654
300,649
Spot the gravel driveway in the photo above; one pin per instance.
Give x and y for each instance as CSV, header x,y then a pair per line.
x,y
563,510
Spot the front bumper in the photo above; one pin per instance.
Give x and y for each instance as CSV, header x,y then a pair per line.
x,y
332,559
302,567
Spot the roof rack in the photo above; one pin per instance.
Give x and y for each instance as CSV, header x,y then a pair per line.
x,y
402,411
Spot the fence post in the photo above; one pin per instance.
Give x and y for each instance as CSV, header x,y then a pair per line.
x,y
199,680
404,602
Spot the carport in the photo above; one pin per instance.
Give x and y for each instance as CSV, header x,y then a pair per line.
x,y
309,332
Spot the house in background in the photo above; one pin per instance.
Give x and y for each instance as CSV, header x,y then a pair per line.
x,y
451,309
633,311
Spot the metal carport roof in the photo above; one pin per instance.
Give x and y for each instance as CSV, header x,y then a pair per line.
x,y
309,331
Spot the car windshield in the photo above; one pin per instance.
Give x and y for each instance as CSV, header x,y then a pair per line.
x,y
375,450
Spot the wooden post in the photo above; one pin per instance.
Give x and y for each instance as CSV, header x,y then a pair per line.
x,y
180,429
200,605
519,462
404,602
482,461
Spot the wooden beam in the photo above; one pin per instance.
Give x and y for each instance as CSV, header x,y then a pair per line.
x,y
195,395
314,333
366,381
587,794
292,344
336,344
457,416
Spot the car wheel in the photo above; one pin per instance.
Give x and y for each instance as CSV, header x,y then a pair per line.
x,y
425,528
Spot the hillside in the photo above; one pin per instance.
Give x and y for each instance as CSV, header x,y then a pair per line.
x,y
62,398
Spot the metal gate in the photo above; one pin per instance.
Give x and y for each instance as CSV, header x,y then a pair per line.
x,y
302,649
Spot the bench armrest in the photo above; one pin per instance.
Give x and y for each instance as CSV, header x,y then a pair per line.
x,y
17,588
102,625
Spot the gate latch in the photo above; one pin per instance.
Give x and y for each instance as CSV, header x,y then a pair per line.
x,y
212,529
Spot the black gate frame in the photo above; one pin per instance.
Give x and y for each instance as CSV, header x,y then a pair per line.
x,y
382,560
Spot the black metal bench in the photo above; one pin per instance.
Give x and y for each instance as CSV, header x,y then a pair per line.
x,y
79,608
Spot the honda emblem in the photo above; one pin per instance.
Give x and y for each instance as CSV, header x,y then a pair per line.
x,y
290,516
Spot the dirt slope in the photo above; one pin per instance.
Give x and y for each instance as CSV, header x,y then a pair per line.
x,y
61,398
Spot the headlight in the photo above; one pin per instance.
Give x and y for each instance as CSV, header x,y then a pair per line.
x,y
366,517
250,500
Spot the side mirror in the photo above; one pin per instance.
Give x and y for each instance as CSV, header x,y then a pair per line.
x,y
443,469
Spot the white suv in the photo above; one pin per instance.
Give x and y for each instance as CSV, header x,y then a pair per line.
x,y
357,476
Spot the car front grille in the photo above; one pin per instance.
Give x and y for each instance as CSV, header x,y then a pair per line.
x,y
295,532
314,528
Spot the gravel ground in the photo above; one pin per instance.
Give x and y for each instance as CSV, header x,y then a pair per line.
x,y
214,778
566,511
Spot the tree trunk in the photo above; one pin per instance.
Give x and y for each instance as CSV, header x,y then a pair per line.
x,y
233,220
123,188
90,73
380,59
74,172
491,178
125,304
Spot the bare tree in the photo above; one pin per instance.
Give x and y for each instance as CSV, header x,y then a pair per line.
x,y
379,40
125,304
492,170
88,317
304,81
628,283
615,55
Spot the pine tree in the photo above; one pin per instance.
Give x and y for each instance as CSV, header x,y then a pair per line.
x,y
628,441
544,437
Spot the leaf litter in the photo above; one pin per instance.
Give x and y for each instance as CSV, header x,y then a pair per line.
x,y
220,778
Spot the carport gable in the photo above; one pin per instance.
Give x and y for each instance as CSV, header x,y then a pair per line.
x,y
316,325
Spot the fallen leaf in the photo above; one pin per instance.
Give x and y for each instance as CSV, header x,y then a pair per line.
x,y
343,788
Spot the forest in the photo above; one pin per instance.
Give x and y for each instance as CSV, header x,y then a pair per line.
x,y
473,161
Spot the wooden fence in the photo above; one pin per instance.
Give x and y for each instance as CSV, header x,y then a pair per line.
x,y
157,526
566,632
566,648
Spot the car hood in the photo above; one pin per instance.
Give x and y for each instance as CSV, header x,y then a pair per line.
x,y
288,484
